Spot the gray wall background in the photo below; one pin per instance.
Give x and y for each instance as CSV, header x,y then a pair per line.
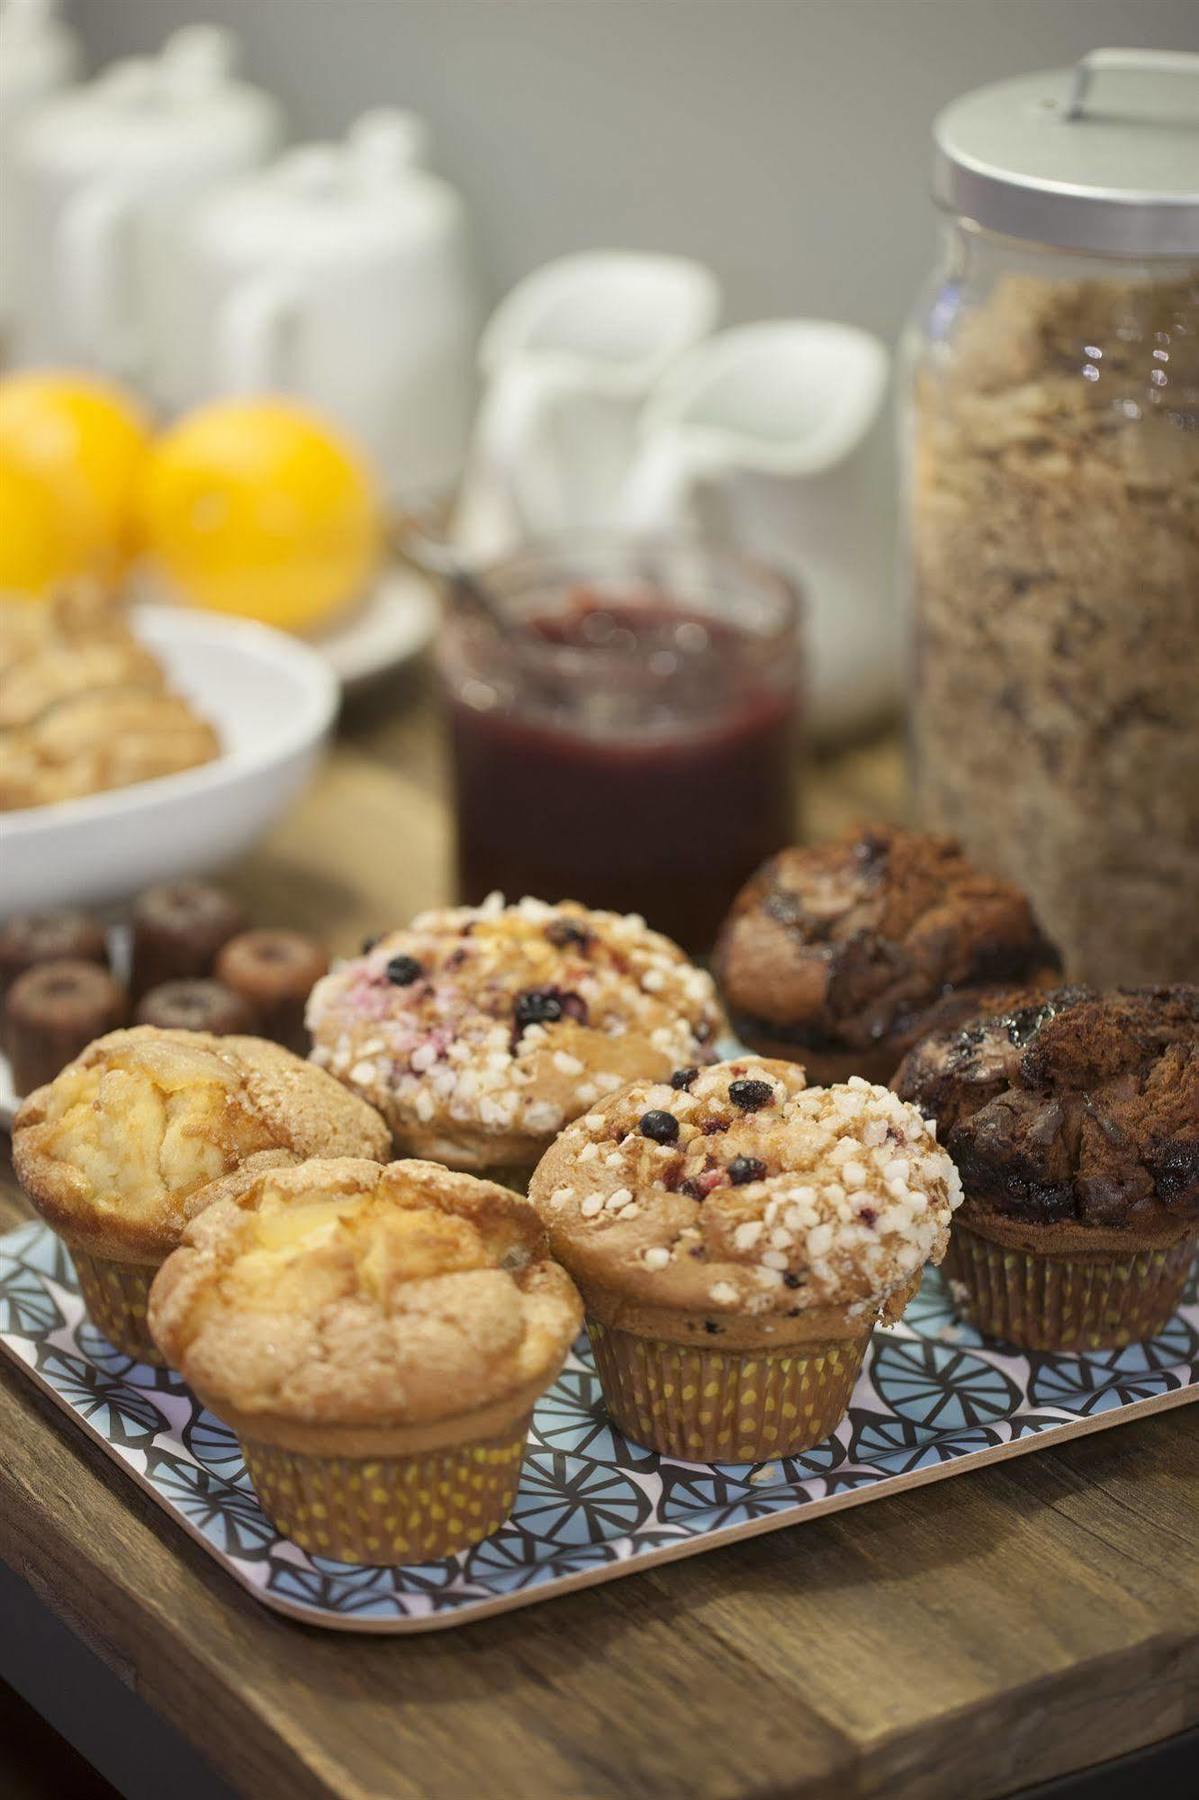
x,y
785,142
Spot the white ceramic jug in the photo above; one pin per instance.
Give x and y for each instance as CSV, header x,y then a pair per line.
x,y
39,56
774,437
568,359
99,177
340,274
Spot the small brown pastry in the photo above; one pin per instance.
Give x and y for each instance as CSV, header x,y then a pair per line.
x,y
198,1005
49,937
51,1012
1073,1117
274,972
842,955
177,931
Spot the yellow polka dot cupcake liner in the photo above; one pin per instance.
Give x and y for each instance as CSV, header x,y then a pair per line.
x,y
388,1509
115,1295
1099,1302
702,1405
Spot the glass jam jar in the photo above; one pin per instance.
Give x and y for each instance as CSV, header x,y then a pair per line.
x,y
623,720
1052,504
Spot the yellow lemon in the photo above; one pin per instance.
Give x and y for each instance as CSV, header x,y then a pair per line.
x,y
258,507
85,440
40,542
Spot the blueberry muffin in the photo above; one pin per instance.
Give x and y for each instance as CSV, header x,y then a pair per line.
x,y
842,955
736,1236
478,1032
117,1151
1074,1119
377,1338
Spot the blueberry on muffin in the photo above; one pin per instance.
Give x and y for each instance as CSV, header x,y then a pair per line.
x,y
735,1239
478,1032
1074,1120
842,955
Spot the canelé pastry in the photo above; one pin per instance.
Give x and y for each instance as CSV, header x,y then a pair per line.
x,y
736,1237
1074,1119
49,937
274,972
842,955
195,1006
479,1032
51,1012
117,1150
178,929
377,1338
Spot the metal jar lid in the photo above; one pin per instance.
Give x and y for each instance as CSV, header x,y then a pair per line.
x,y
1102,157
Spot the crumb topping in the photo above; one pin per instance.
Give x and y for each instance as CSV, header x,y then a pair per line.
x,y
808,1197
508,1021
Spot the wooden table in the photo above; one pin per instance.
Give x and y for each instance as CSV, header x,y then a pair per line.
x,y
965,1640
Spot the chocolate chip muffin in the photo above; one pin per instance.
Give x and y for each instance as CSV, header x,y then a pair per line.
x,y
117,1152
377,1338
736,1236
1074,1120
479,1032
842,955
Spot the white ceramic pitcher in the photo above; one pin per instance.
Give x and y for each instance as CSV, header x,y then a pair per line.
x,y
568,359
774,437
39,56
100,176
342,274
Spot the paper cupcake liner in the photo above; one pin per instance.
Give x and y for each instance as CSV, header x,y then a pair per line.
x,y
1065,1302
115,1294
702,1405
389,1509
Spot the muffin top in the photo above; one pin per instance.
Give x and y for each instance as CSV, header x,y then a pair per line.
x,y
737,1190
846,942
479,1031
344,1293
116,1149
1073,1106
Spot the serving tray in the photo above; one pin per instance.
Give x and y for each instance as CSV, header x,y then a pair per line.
x,y
933,1400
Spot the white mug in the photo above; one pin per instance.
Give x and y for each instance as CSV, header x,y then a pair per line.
x,y
774,437
100,175
39,56
568,359
340,274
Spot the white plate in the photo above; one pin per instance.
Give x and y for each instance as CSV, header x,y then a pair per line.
x,y
388,629
272,700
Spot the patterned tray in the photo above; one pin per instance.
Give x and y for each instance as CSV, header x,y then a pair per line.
x,y
932,1401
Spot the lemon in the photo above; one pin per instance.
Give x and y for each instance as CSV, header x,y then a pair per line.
x,y
83,440
37,545
259,507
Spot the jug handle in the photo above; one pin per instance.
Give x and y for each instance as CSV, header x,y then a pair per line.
x,y
94,258
661,488
250,332
512,420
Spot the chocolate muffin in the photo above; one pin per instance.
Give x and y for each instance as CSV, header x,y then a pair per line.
x,y
178,930
274,972
842,955
49,937
195,1006
51,1012
1073,1118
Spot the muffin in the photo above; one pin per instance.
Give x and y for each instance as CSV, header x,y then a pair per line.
x,y
274,972
1074,1120
117,1150
52,1012
736,1237
479,1032
49,937
178,929
377,1338
195,1006
842,955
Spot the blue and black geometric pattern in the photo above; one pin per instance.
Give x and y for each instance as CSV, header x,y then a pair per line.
x,y
932,1395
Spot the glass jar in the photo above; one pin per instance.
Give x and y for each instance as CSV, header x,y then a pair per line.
x,y
623,724
1052,507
